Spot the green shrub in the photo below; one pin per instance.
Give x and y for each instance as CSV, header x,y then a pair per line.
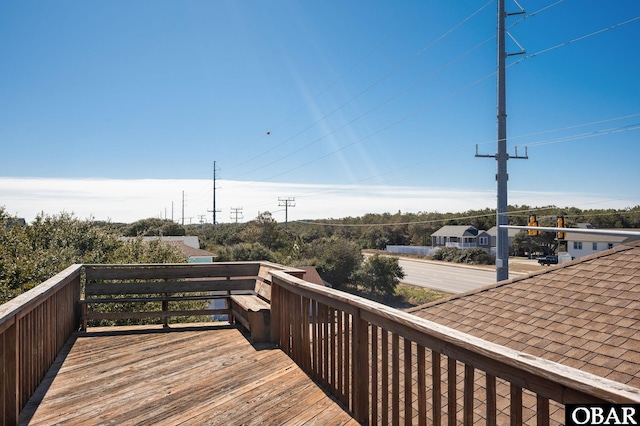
x,y
473,256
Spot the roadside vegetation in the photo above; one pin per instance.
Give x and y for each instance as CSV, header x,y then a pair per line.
x,y
473,256
31,253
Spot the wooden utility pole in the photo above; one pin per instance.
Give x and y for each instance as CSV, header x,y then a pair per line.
x,y
286,203
236,213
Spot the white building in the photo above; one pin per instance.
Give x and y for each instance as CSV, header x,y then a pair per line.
x,y
580,245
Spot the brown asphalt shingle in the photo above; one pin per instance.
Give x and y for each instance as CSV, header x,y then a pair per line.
x,y
584,314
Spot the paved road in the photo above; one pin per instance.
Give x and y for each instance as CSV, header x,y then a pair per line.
x,y
449,278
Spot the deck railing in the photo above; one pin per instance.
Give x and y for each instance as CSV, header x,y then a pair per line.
x,y
390,367
35,325
33,329
384,365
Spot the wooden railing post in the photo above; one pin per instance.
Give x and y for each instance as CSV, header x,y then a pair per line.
x,y
10,391
360,364
276,311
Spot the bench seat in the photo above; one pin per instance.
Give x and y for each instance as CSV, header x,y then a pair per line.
x,y
253,311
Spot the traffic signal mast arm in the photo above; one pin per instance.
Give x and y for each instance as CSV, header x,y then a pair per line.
x,y
573,230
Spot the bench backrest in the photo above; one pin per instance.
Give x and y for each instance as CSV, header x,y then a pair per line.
x,y
110,280
263,281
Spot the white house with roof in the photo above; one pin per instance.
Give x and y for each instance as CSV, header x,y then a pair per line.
x,y
460,236
466,236
580,245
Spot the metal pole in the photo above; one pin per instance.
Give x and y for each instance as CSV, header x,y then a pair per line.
x,y
214,211
502,217
214,193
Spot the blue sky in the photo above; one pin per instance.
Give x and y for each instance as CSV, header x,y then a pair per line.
x,y
316,99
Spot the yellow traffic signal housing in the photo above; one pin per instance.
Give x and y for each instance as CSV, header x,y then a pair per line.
x,y
561,224
533,221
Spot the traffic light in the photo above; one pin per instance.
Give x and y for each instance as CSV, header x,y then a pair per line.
x,y
533,221
561,224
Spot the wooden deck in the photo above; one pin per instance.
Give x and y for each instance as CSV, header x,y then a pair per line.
x,y
183,375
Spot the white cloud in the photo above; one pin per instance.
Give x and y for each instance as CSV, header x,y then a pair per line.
x,y
130,200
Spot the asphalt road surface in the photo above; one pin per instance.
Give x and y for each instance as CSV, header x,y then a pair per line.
x,y
448,278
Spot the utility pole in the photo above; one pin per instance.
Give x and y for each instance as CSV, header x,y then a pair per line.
x,y
502,214
236,213
214,211
286,203
182,208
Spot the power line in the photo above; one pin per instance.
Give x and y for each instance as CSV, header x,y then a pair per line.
x,y
610,131
461,149
320,93
566,43
412,86
574,137
380,130
574,126
374,84
532,14
454,218
398,94
455,93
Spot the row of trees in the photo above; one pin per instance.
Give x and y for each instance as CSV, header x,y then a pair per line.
x,y
376,231
333,246
29,254
338,259
33,253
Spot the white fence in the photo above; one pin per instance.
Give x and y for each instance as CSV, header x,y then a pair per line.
x,y
419,250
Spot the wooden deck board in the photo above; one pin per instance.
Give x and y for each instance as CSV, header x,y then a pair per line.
x,y
184,375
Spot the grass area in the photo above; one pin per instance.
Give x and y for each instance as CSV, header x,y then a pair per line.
x,y
415,295
405,297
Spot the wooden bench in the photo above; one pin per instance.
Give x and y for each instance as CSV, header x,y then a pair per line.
x,y
113,284
246,287
253,311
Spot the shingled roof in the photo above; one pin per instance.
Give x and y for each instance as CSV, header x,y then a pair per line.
x,y
456,231
189,251
584,314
